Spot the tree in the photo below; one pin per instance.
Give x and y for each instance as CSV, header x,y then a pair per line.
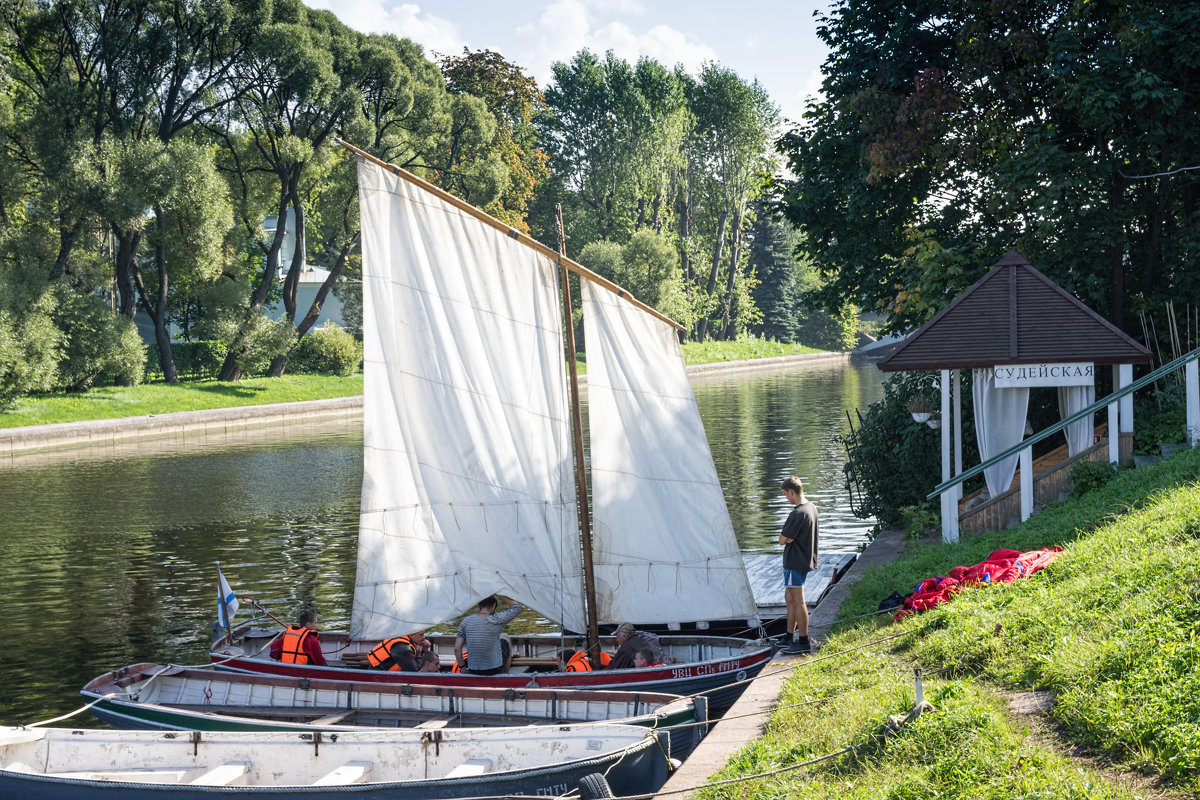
x,y
514,98
953,131
735,123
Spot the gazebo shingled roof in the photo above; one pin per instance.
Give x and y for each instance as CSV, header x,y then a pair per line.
x,y
1013,315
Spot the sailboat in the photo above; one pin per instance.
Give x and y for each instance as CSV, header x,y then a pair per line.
x,y
473,479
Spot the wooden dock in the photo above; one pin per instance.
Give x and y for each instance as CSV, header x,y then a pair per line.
x,y
765,571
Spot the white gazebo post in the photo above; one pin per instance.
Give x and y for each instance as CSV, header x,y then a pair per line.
x,y
1191,377
1114,428
957,402
949,503
1026,461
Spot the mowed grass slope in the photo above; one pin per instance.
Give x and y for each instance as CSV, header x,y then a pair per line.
x,y
1111,629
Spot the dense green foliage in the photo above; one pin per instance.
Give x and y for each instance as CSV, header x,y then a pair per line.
x,y
1110,629
146,142
950,131
892,457
328,350
198,359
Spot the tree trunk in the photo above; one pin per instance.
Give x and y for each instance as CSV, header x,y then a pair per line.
x,y
66,244
127,246
1150,269
291,286
231,369
734,255
1116,252
314,310
158,309
718,251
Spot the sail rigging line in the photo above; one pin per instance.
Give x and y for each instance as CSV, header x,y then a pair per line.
x,y
581,496
511,232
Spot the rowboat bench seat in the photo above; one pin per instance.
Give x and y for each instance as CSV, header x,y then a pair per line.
x,y
438,722
334,719
231,774
350,772
159,775
470,768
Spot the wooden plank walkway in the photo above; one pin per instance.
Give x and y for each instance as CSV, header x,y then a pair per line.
x,y
765,571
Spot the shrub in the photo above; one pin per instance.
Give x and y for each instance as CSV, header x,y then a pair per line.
x,y
918,520
893,457
1089,475
28,356
328,350
96,343
200,359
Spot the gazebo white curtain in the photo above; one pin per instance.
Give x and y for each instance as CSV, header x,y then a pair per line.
x,y
999,424
1072,399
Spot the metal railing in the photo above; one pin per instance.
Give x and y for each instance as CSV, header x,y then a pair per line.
x,y
1141,382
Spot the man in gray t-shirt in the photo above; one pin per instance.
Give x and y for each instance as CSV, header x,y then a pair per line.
x,y
479,635
799,540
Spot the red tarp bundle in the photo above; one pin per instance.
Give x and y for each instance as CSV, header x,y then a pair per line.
x,y
1002,566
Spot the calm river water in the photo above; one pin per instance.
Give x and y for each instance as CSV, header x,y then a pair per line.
x,y
108,559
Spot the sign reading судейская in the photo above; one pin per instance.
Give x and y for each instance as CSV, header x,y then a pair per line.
x,y
1022,375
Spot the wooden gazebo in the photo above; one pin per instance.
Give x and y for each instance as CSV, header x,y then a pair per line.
x,y
1016,318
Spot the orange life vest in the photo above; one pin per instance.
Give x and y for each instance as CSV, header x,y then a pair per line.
x,y
291,650
578,663
605,659
456,668
383,652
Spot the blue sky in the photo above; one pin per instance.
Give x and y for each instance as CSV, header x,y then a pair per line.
x,y
774,42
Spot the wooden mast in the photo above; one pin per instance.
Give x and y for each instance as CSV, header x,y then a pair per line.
x,y
585,526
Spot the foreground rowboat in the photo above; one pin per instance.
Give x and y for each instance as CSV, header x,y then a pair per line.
x,y
711,665
65,764
156,697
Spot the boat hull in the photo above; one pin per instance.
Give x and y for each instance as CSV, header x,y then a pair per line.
x,y
719,669
157,697
128,766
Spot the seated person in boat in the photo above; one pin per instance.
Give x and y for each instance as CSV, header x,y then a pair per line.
x,y
300,643
430,662
645,658
574,661
629,641
400,653
480,633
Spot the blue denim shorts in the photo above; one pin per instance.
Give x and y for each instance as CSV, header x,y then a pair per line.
x,y
793,579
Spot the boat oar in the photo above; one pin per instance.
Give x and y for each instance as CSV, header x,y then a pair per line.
x,y
254,603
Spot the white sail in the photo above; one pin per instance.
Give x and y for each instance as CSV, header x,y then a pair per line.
x,y
468,487
663,545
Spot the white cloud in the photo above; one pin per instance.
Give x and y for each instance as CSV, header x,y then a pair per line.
x,y
407,20
568,26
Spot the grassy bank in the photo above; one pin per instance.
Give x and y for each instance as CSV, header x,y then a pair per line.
x,y
110,402
1111,630
744,349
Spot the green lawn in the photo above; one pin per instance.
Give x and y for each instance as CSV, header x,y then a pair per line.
x,y
744,349
109,402
1111,629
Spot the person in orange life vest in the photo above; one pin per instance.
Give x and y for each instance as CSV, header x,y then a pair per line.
x,y
399,653
300,643
574,661
430,662
645,658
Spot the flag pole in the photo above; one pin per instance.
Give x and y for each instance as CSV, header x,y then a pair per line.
x,y
224,607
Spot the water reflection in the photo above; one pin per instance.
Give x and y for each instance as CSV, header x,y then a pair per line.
x,y
108,560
